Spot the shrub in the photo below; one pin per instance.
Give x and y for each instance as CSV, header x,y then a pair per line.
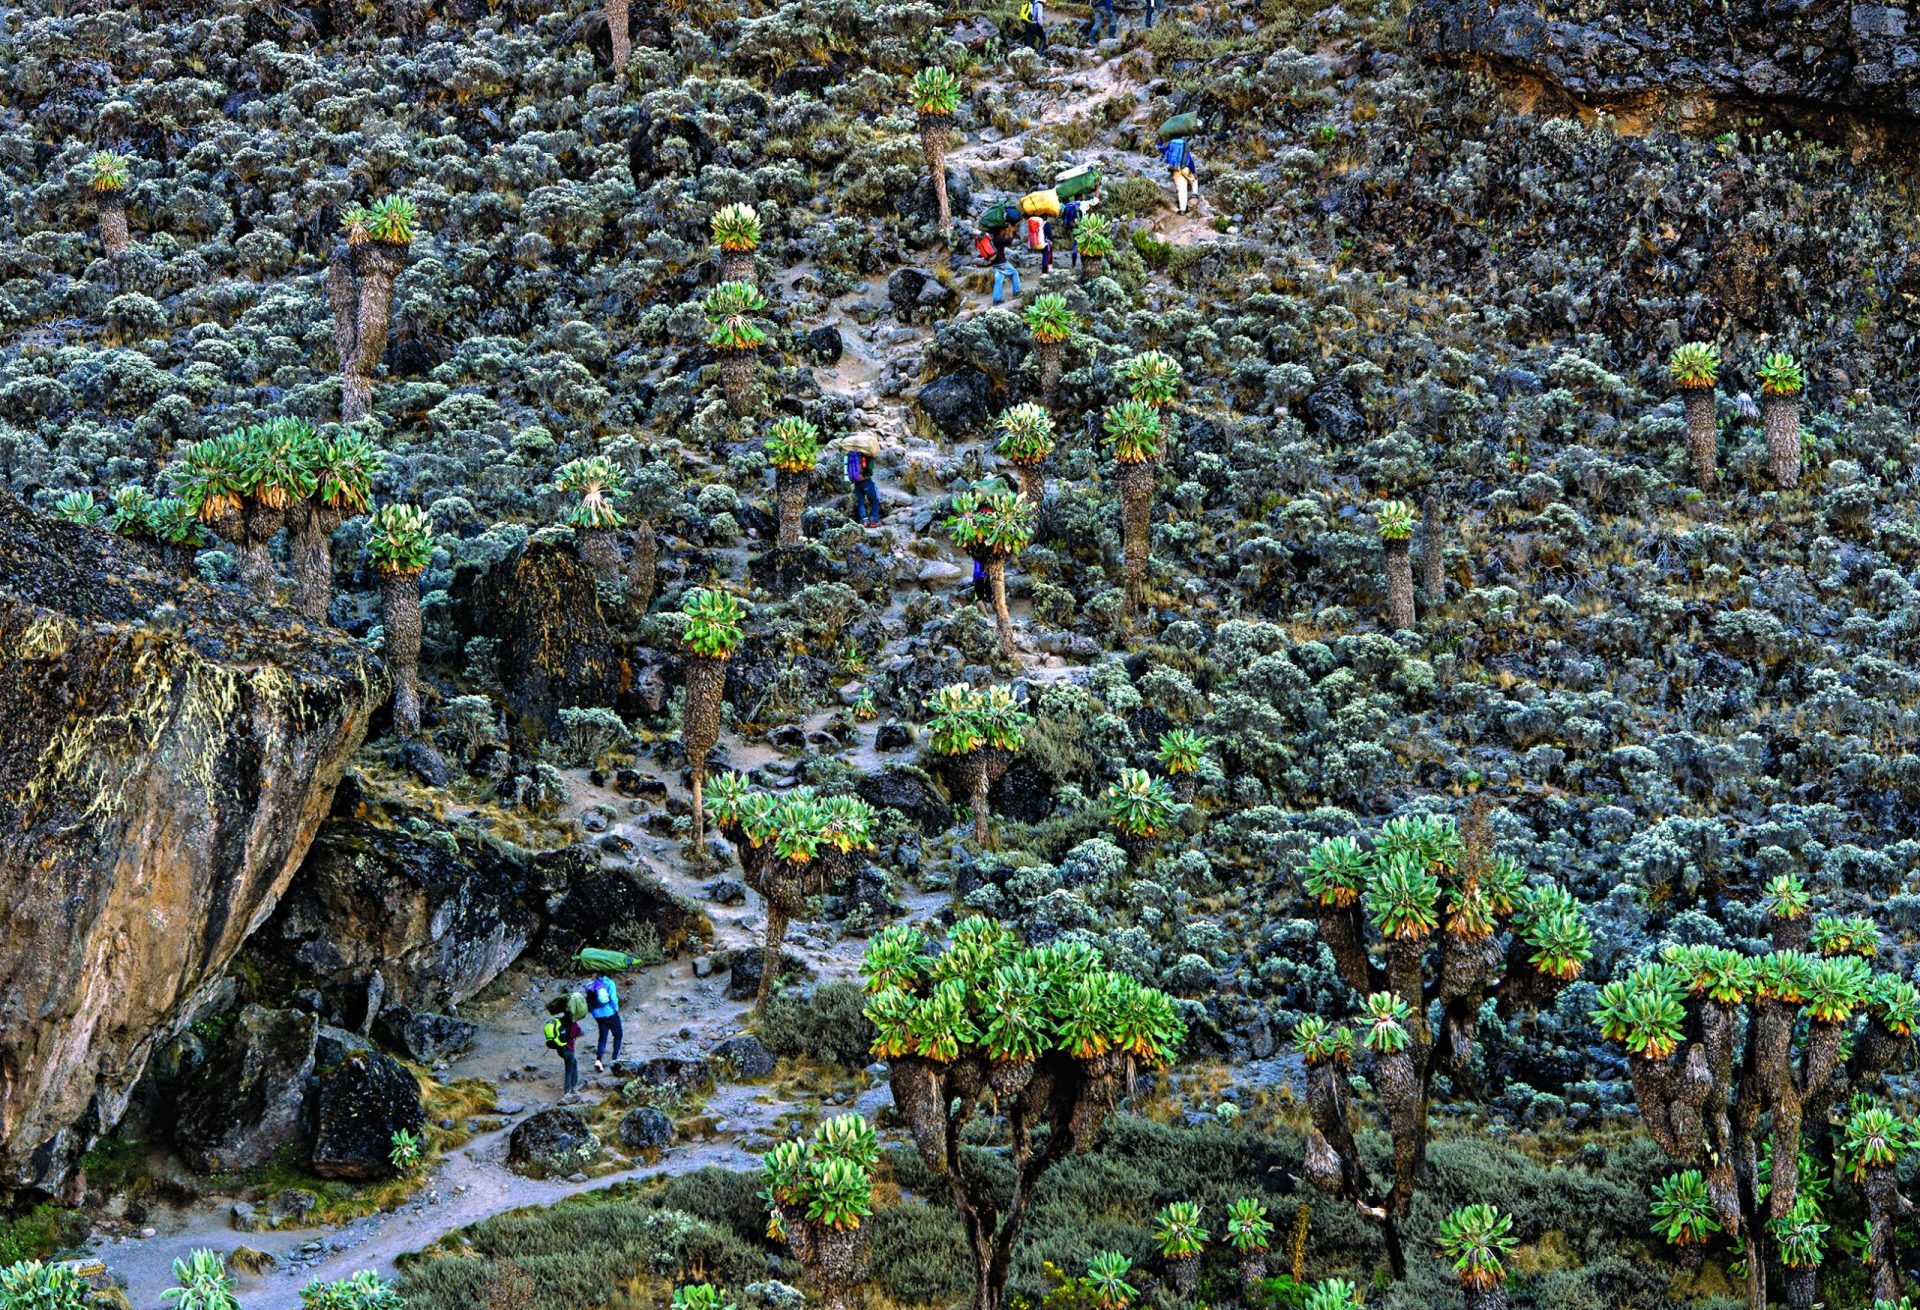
x,y
827,1023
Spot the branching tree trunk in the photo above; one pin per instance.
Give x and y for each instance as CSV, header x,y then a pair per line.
x,y
979,769
259,524
1033,481
995,567
310,528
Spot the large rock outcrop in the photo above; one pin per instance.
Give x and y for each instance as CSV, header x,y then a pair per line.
x,y
437,916
541,606
1822,64
166,753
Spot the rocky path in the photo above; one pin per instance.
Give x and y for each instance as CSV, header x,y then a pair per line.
x,y
667,1010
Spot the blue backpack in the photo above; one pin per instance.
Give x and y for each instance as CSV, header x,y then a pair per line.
x,y
1176,154
856,466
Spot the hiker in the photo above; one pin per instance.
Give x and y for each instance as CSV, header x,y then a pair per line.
x,y
1040,238
1103,13
562,1031
1146,24
866,500
1033,22
603,1003
1180,166
1070,214
997,249
981,594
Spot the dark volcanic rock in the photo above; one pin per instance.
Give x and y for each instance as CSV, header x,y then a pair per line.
x,y
957,403
909,790
608,908
1813,57
437,916
363,1101
169,749
425,1037
825,344
916,292
552,1144
542,607
646,1129
743,980
745,1056
246,1100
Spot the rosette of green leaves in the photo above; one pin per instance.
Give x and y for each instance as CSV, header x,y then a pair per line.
x,y
1139,804
595,478
736,228
936,91
79,507
713,622
1694,366
1048,318
1180,751
793,445
1178,1230
1134,431
1475,1238
1336,872
1780,375
1386,1018
995,525
1152,377
1107,1278
400,539
108,170
1683,1213
1093,236
1403,898
730,309
1026,434
1394,519
391,220
1248,1228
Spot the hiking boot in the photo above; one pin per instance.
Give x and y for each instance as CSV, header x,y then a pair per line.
x,y
598,1067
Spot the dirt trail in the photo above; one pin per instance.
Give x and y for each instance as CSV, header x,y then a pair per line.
x,y
666,1010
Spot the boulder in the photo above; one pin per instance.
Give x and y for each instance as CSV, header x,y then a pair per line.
x,y
919,201
363,1100
674,1073
551,1144
646,1129
436,915
744,1057
609,908
957,402
541,606
917,292
246,1100
170,749
743,980
824,344
425,1037
911,791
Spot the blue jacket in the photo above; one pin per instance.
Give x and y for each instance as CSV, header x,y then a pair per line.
x,y
1176,153
612,1007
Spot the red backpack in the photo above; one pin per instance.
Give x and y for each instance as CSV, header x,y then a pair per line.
x,y
985,247
1036,234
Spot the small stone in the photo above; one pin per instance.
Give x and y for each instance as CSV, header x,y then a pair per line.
x,y
939,573
703,966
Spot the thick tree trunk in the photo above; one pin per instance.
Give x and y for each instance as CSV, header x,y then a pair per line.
x,y
400,616
309,545
770,953
642,563
1703,436
738,266
933,139
375,265
1050,352
1781,415
736,379
790,497
113,222
1033,482
1253,1268
343,298
1091,266
699,731
259,524
1485,1298
1802,1284
1433,552
1136,513
996,569
598,552
1399,586
977,785
620,31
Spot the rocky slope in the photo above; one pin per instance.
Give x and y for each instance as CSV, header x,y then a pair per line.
x,y
166,755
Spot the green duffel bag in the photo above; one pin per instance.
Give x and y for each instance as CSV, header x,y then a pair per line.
x,y
998,217
1180,125
1077,182
601,961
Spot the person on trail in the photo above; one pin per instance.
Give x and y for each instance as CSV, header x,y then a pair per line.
x,y
997,249
982,594
561,1032
1033,25
1103,14
1146,23
866,500
1040,238
1181,166
603,1003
